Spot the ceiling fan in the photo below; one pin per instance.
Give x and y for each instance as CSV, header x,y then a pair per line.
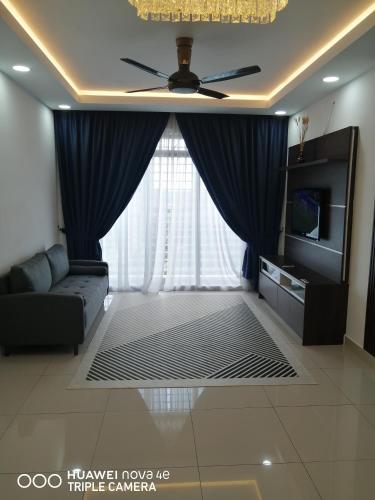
x,y
186,82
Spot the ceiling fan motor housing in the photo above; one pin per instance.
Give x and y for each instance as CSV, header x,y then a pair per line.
x,y
184,81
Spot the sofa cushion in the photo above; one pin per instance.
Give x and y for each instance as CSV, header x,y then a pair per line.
x,y
85,285
93,289
33,275
88,270
58,260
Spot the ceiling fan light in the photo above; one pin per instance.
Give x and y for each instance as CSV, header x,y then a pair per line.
x,y
183,90
244,11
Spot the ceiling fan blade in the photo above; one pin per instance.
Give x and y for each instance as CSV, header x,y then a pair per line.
x,y
145,68
229,75
212,93
146,90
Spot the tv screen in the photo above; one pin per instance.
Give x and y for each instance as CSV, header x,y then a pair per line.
x,y
306,213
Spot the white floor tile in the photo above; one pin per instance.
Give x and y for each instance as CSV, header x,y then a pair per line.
x,y
255,482
162,399
369,412
357,383
34,443
4,422
323,393
63,364
50,395
344,480
206,398
338,356
14,389
325,433
29,363
301,353
145,439
241,436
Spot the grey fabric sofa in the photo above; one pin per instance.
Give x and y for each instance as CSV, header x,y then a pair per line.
x,y
50,300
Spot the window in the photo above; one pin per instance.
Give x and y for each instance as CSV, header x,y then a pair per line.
x,y
171,236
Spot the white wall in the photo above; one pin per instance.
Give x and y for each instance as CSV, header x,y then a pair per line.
x,y
353,104
28,213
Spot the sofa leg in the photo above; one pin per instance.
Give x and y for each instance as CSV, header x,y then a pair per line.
x,y
6,350
75,349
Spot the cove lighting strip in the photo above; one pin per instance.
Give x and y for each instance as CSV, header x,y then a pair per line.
x,y
21,21
323,50
38,42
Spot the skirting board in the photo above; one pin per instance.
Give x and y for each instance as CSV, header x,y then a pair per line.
x,y
366,356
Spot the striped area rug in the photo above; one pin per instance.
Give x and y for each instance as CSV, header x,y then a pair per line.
x,y
185,340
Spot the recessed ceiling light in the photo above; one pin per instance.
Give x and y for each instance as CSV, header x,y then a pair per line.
x,y
280,112
21,68
64,106
267,462
330,79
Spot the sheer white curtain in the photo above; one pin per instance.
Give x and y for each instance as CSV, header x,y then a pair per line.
x,y
171,236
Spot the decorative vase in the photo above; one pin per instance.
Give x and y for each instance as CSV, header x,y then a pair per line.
x,y
300,158
302,123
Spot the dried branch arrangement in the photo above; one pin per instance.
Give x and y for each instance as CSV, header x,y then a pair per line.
x,y
302,123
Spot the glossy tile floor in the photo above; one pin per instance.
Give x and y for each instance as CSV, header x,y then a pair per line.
x,y
290,442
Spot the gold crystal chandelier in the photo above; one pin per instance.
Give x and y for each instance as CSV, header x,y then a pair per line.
x,y
224,11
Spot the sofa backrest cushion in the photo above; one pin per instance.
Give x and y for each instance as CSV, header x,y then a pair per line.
x,y
58,260
33,275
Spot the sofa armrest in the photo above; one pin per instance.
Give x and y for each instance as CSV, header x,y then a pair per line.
x,y
82,262
32,318
90,270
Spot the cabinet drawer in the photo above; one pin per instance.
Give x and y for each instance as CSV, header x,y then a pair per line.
x,y
269,290
284,304
291,310
297,317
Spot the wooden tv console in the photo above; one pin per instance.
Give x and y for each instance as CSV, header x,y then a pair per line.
x,y
312,305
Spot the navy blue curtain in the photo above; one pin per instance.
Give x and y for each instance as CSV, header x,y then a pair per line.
x,y
239,159
102,156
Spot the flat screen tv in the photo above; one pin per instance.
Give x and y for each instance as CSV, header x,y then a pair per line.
x,y
306,213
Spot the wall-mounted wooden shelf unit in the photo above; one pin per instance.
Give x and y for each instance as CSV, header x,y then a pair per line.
x,y
308,287
313,163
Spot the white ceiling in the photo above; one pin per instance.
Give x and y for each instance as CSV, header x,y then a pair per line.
x,y
88,38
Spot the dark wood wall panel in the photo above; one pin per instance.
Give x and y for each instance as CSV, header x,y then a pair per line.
x,y
335,146
336,178
332,178
318,259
